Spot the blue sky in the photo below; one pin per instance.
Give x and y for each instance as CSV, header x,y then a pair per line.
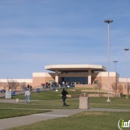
x,y
35,33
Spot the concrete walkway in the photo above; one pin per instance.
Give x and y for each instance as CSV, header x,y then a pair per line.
x,y
25,120
56,113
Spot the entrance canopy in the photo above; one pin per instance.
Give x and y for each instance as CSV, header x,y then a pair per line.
x,y
75,68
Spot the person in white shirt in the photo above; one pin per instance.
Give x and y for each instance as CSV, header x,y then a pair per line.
x,y
27,96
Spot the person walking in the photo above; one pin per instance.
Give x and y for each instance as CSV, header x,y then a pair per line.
x,y
27,96
64,93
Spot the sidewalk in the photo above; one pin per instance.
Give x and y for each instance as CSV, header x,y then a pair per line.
x,y
56,113
25,120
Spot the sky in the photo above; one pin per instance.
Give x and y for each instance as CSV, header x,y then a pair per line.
x,y
36,33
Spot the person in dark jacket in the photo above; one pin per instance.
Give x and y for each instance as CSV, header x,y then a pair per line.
x,y
64,93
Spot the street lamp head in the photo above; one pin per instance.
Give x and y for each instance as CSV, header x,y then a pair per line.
x,y
115,61
126,49
108,21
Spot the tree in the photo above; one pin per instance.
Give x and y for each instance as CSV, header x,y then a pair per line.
x,y
3,85
114,88
22,85
12,84
120,88
99,86
128,87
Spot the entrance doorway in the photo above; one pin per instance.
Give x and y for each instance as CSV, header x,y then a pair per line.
x,y
78,80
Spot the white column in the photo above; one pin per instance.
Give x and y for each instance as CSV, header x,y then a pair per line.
x,y
89,76
56,76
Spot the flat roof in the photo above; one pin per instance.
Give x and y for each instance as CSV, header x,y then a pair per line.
x,y
75,67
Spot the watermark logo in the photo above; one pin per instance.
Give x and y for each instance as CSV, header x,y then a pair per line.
x,y
123,124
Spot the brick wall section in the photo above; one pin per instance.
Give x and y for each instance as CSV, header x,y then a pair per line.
x,y
39,78
37,81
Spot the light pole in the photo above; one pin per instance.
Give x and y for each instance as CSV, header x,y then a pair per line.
x,y
126,49
108,22
115,64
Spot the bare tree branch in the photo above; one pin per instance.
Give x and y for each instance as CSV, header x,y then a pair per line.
x,y
114,88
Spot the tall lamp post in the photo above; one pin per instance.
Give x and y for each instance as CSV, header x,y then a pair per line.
x,y
126,49
108,22
115,64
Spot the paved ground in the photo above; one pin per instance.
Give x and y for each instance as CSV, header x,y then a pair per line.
x,y
25,120
56,113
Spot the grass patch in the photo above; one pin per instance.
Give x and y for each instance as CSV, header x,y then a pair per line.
x,y
100,102
120,103
9,113
52,94
43,104
47,95
82,121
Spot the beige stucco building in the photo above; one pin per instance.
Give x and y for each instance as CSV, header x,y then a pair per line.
x,y
82,74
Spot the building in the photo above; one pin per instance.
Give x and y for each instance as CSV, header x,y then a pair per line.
x,y
80,74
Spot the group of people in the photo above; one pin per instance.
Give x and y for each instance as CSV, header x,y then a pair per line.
x,y
68,84
62,84
49,85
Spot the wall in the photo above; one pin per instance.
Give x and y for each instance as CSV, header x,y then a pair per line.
x,y
4,83
122,83
102,78
39,78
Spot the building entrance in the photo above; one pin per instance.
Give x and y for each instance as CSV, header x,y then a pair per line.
x,y
78,80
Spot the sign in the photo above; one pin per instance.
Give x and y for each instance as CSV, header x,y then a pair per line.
x,y
8,94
